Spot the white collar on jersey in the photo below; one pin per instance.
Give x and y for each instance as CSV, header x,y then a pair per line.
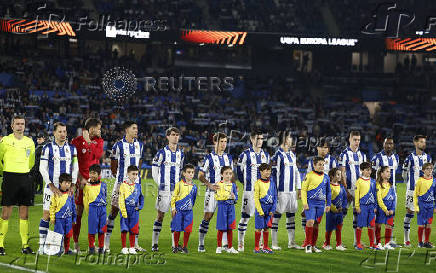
x,y
252,150
168,148
65,144
214,153
349,149
124,140
288,152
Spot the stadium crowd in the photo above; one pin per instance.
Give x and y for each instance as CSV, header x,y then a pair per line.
x,y
68,90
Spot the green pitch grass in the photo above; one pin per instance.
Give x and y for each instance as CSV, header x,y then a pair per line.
x,y
399,260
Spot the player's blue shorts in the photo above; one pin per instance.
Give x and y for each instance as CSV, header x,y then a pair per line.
x,y
366,217
425,215
265,221
131,223
225,216
381,218
97,219
314,213
182,221
332,220
64,226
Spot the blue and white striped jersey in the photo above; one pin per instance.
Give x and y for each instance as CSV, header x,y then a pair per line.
x,y
167,167
248,167
351,161
56,160
126,154
329,163
285,171
381,159
213,164
413,168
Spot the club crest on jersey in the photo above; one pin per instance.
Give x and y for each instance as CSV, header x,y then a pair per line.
x,y
84,151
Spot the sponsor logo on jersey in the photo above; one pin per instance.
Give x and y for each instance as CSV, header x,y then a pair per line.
x,y
318,195
174,164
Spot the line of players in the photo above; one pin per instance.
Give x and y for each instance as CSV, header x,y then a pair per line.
x,y
60,156
287,179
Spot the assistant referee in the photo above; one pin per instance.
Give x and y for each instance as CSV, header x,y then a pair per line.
x,y
17,157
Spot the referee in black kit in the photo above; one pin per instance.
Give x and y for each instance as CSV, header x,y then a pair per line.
x,y
17,157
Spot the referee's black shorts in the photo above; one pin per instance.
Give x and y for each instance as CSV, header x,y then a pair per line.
x,y
17,189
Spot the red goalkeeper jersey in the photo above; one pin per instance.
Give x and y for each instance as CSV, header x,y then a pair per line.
x,y
88,154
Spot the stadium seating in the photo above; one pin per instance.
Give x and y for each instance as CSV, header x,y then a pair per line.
x,y
68,90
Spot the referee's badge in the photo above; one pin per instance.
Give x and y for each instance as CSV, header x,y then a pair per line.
x,y
27,152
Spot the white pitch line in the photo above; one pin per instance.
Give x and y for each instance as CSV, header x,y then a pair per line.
x,y
21,268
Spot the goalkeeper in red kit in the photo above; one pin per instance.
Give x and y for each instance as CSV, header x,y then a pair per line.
x,y
89,151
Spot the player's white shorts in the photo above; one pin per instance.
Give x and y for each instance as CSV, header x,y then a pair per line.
x,y
210,202
409,200
163,201
248,206
46,197
287,202
115,194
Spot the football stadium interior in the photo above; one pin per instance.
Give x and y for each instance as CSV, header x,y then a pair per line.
x,y
315,71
